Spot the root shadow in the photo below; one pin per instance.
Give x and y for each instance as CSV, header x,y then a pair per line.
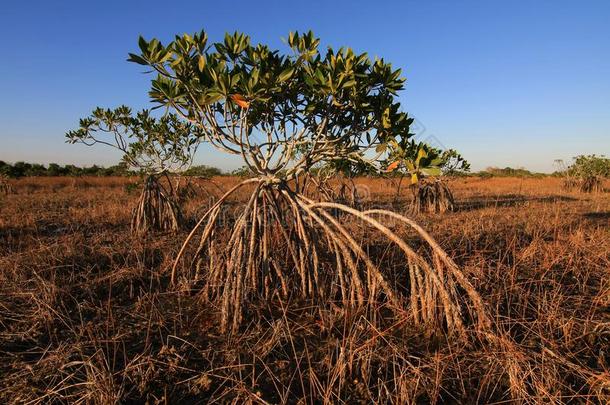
x,y
509,200
597,216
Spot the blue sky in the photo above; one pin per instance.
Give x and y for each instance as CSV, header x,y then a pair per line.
x,y
512,83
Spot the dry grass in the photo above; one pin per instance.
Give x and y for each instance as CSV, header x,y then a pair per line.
x,y
88,315
5,185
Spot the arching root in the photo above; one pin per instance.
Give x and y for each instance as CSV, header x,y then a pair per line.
x,y
284,243
187,188
156,209
336,188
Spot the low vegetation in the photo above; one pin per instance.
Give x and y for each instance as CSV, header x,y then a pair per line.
x,y
88,314
23,169
588,172
289,287
508,172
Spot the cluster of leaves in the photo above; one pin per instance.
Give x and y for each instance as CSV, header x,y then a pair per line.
x,y
590,165
348,168
149,144
453,163
23,169
420,160
283,113
333,105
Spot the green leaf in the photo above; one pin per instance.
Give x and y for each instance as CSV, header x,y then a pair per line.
x,y
142,44
436,162
286,74
137,59
420,155
385,118
213,97
431,171
320,76
167,56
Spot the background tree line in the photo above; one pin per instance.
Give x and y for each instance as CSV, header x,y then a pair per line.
x,y
24,169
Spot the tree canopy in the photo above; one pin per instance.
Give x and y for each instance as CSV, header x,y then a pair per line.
x,y
149,144
265,105
421,160
24,169
590,165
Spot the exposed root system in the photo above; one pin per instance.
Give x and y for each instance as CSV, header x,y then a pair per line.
x,y
591,184
345,191
285,244
156,209
194,187
432,197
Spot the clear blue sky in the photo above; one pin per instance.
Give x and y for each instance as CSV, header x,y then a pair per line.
x,y
517,83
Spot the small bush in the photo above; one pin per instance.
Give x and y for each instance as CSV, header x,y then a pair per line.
x,y
508,172
203,171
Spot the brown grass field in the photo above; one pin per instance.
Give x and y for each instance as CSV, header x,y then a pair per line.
x,y
87,313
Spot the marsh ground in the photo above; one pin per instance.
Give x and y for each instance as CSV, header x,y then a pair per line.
x,y
87,313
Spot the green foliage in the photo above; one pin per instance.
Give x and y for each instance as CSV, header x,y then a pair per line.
x,y
132,188
508,172
151,145
264,105
203,171
590,165
420,160
23,169
348,168
453,163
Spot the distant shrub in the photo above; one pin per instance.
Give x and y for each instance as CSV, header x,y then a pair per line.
x,y
508,172
203,171
243,171
24,169
590,165
131,188
587,172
